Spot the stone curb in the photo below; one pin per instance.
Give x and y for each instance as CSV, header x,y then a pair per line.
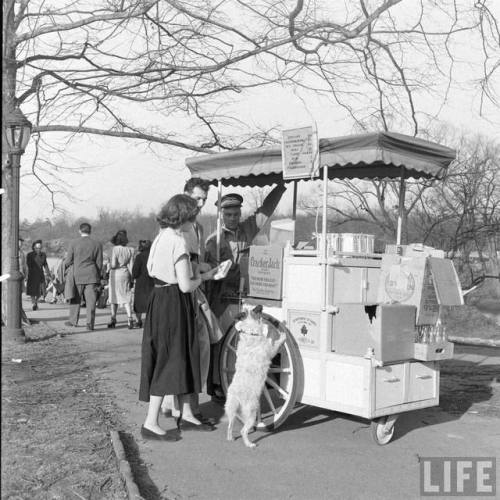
x,y
474,341
124,467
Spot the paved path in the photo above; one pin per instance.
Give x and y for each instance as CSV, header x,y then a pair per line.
x,y
316,454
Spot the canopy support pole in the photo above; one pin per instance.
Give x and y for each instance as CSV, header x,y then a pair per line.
x,y
294,211
294,207
401,208
219,213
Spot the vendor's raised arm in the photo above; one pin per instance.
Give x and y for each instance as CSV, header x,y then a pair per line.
x,y
269,205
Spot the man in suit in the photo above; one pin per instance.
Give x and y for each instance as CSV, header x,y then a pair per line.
x,y
85,255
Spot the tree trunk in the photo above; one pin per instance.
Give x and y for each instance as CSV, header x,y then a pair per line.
x,y
8,103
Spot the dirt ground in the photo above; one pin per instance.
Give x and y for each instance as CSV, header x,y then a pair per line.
x,y
55,425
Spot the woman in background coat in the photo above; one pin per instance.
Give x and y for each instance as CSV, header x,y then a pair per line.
x,y
36,262
144,284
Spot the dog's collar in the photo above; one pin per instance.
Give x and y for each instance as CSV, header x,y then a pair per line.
x,y
253,333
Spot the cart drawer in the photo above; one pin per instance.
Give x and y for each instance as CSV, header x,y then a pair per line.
x,y
423,381
389,386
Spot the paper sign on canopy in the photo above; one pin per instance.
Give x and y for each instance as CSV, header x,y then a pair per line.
x,y
300,153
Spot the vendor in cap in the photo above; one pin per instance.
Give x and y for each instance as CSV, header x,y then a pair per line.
x,y
235,240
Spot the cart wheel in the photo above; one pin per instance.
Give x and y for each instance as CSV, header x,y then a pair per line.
x,y
383,429
283,378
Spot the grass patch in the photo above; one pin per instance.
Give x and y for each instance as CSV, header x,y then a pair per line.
x,y
468,321
55,426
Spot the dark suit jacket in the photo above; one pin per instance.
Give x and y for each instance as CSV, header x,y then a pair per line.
x,y
86,256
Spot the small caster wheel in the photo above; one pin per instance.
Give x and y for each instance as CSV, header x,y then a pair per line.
x,y
383,429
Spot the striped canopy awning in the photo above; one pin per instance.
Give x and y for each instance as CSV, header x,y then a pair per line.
x,y
380,155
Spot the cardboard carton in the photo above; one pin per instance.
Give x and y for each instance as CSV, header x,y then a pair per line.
x,y
425,282
385,332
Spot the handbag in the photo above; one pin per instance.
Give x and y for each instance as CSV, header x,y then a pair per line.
x,y
214,331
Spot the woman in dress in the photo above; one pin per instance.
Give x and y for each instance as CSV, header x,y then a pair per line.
x,y
143,282
36,262
170,350
120,278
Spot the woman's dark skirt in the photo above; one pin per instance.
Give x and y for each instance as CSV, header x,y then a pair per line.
x,y
170,349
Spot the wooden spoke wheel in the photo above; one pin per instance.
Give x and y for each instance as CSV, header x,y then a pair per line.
x,y
284,377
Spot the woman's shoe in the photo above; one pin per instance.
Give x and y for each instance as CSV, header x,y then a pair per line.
x,y
204,420
112,323
130,323
35,307
184,425
138,324
168,436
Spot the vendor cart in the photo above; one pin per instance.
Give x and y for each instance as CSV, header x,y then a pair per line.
x,y
364,330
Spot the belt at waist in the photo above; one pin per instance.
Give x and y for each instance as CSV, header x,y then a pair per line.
x,y
160,283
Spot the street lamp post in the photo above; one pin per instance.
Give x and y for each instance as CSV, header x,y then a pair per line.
x,y
17,134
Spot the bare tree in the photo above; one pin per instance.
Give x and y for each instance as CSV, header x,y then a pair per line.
x,y
139,69
459,214
462,214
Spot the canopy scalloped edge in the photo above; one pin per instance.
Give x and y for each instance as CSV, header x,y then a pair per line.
x,y
380,155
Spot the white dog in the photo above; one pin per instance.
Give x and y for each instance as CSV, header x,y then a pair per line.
x,y
253,357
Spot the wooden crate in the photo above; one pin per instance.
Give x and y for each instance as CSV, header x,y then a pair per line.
x,y
433,352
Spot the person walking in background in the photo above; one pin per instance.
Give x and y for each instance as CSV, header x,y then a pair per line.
x,y
57,272
170,360
120,277
23,267
36,263
85,257
143,282
103,300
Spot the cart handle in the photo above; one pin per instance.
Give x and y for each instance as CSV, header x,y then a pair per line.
x,y
392,380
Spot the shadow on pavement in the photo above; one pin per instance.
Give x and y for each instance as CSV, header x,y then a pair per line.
x,y
465,387
303,416
147,488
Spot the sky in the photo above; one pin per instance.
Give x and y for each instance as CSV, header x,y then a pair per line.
x,y
118,174
126,175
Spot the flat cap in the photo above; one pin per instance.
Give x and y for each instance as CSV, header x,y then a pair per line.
x,y
230,200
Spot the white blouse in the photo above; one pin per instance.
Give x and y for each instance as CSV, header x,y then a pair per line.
x,y
167,248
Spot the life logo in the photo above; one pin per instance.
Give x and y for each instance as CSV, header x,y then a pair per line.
x,y
399,284
458,476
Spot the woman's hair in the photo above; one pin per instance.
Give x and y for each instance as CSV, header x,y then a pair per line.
x,y
144,245
36,242
120,238
180,209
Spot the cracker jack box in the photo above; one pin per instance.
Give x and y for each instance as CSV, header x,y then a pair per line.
x,y
425,282
265,271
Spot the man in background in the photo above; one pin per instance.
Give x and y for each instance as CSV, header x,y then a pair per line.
x,y
85,255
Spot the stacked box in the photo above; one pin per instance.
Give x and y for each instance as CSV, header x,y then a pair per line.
x,y
425,282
